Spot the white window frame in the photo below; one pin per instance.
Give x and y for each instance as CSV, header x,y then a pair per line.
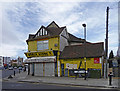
x,y
42,45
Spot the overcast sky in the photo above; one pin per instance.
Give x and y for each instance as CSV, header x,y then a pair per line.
x,y
19,19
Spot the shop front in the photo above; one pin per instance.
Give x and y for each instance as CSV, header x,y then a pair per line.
x,y
72,59
68,66
41,66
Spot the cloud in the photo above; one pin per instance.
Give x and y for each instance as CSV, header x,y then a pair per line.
x,y
22,18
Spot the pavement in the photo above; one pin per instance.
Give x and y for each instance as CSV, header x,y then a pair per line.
x,y
90,82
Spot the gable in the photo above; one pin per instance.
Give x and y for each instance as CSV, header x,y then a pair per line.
x,y
64,33
53,24
41,32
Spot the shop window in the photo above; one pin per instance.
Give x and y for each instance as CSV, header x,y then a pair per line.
x,y
42,45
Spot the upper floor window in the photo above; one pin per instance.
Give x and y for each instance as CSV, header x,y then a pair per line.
x,y
41,45
41,32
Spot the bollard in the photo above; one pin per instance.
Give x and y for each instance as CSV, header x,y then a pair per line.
x,y
14,72
110,78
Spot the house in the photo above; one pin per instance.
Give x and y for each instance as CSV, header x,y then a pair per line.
x,y
72,58
44,48
52,51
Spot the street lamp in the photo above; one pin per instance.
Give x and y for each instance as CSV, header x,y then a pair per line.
x,y
84,25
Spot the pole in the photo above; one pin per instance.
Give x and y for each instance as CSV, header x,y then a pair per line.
x,y
84,25
106,42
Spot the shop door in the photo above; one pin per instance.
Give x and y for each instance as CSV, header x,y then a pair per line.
x,y
49,69
66,72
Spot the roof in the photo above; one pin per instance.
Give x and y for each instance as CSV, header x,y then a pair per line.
x,y
53,30
73,38
77,51
31,36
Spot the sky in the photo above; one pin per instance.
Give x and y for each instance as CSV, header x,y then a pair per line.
x,y
20,18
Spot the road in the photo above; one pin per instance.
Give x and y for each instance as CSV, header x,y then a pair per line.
x,y
6,72
11,86
21,86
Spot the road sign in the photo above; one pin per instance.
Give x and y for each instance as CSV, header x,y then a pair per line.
x,y
81,71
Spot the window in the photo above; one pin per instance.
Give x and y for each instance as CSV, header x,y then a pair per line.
x,y
41,45
41,32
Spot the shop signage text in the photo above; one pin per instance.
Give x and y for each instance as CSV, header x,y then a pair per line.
x,y
39,54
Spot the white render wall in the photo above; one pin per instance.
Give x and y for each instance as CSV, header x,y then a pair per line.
x,y
63,40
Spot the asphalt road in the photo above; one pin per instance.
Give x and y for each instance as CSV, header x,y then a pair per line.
x,y
6,72
11,86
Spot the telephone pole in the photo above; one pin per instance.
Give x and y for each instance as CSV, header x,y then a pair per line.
x,y
106,43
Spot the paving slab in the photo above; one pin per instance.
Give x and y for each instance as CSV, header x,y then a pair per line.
x,y
23,77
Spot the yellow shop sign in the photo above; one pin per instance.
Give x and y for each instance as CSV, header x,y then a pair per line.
x,y
39,54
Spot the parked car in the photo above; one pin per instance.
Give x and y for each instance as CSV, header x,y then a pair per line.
x,y
20,68
10,68
15,67
1,68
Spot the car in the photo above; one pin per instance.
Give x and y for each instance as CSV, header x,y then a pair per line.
x,y
20,68
15,67
2,68
10,68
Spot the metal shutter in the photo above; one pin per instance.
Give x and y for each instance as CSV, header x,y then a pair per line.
x,y
49,69
39,69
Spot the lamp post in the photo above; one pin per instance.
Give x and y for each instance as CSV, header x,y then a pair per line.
x,y
84,25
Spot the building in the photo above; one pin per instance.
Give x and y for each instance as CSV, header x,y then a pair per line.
x,y
6,62
46,50
14,63
72,58
1,61
20,61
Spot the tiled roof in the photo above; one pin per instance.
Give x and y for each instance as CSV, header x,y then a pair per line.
x,y
52,32
73,38
55,31
31,36
77,51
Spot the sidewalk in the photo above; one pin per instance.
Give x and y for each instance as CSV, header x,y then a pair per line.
x,y
23,77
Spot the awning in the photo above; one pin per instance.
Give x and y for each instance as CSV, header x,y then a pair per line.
x,y
40,59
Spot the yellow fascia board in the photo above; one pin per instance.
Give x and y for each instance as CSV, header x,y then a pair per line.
x,y
39,54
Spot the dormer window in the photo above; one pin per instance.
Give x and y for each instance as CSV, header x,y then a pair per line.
x,y
41,32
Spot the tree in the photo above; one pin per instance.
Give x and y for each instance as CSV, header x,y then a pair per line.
x,y
111,56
